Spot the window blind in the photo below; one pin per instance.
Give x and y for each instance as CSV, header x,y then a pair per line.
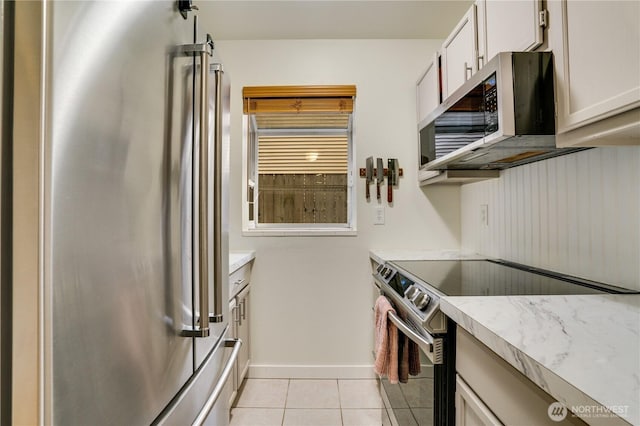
x,y
295,154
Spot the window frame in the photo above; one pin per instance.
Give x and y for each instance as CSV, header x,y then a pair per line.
x,y
250,179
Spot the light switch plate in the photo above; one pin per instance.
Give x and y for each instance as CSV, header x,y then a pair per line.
x,y
379,215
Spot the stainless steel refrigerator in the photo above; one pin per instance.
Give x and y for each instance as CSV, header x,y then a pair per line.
x,y
115,145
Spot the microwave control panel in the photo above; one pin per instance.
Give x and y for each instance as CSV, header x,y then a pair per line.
x,y
490,104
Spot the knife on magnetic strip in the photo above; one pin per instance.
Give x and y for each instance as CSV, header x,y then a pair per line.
x,y
379,176
369,176
392,178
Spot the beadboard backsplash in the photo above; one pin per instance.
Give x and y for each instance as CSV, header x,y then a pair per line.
x,y
577,214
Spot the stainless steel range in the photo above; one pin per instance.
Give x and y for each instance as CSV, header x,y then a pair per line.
x,y
415,289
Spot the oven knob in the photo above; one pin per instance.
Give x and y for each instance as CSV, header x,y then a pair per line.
x,y
411,292
382,271
379,268
422,301
388,273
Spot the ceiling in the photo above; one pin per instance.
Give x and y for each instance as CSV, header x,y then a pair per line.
x,y
330,19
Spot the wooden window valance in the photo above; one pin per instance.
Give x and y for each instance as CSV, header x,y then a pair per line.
x,y
298,99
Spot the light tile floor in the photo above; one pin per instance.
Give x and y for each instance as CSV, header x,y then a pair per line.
x,y
296,402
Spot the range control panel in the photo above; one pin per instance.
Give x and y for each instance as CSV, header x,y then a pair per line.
x,y
423,303
405,287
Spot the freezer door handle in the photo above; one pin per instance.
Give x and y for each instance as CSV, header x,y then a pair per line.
x,y
217,390
218,280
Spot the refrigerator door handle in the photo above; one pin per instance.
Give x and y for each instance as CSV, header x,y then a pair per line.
x,y
217,390
216,316
204,52
203,196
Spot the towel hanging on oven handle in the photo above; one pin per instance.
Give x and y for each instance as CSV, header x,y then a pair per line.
x,y
432,347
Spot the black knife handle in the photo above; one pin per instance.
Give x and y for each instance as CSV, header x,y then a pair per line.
x,y
368,193
378,189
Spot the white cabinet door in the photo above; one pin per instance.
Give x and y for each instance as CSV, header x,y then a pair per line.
x,y
459,53
505,26
428,91
232,385
598,63
470,410
243,333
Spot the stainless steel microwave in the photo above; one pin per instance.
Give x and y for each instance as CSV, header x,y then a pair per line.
x,y
502,117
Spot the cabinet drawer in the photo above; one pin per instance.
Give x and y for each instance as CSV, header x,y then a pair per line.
x,y
239,279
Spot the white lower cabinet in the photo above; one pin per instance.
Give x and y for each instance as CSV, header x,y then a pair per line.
x,y
470,410
239,329
489,391
231,387
242,332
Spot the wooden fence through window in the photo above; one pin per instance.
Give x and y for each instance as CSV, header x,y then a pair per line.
x,y
302,198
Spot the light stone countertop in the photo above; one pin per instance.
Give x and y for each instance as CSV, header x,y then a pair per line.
x,y
584,350
237,259
382,255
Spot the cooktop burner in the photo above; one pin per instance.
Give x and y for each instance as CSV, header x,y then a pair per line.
x,y
497,278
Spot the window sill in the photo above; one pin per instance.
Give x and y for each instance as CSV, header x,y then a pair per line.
x,y
290,232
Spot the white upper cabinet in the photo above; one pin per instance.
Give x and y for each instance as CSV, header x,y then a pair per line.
x,y
508,26
428,91
459,53
597,56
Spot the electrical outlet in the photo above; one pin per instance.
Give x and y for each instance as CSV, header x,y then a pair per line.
x,y
379,217
484,214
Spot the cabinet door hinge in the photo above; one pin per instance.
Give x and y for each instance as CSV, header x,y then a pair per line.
x,y
543,18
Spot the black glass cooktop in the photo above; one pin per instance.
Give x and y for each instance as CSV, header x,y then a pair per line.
x,y
498,278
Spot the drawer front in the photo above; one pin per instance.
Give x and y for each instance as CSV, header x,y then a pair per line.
x,y
239,279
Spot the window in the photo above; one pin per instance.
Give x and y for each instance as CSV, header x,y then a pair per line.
x,y
299,158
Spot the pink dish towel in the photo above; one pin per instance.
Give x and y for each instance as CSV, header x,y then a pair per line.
x,y
386,349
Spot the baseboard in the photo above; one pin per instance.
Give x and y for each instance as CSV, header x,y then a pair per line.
x,y
311,372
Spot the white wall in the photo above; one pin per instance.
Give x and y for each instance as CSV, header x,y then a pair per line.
x,y
578,214
312,296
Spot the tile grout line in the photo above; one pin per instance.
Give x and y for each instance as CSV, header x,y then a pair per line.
x,y
286,397
340,403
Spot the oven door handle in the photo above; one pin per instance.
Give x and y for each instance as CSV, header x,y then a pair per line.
x,y
432,347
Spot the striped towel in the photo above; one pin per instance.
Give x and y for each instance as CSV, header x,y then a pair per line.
x,y
386,348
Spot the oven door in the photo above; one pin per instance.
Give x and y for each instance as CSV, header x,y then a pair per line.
x,y
426,398
411,403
